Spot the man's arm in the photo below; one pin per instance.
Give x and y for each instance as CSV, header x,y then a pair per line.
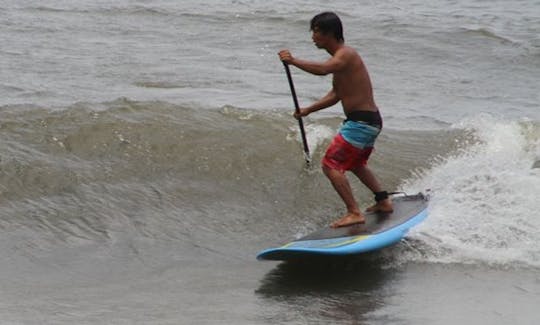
x,y
329,100
336,63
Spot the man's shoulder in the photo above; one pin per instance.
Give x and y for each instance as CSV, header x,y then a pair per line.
x,y
347,52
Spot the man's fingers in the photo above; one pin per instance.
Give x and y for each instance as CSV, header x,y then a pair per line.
x,y
285,55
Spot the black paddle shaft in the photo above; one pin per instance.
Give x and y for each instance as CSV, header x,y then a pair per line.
x,y
297,110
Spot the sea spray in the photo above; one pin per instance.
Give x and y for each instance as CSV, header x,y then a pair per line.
x,y
485,197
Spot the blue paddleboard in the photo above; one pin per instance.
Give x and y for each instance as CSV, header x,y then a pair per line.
x,y
380,230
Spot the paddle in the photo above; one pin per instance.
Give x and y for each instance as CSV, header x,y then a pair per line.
x,y
297,110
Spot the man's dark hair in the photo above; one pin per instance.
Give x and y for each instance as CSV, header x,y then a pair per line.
x,y
328,23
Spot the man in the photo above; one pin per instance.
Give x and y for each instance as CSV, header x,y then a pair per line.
x,y
351,147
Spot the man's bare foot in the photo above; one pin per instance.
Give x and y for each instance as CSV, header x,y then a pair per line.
x,y
350,218
384,206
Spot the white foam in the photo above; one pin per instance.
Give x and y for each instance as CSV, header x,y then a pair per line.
x,y
316,135
484,205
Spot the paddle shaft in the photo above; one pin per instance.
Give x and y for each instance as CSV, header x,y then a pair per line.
x,y
297,110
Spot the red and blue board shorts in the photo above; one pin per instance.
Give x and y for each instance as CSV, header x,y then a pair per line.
x,y
351,147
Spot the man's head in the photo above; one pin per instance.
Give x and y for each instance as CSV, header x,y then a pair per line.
x,y
326,24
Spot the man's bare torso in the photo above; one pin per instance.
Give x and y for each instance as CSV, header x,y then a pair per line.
x,y
353,85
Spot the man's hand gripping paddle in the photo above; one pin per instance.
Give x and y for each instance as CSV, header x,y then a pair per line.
x,y
297,110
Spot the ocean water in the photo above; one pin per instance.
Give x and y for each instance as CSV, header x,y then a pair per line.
x,y
148,152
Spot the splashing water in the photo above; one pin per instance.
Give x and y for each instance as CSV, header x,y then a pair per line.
x,y
484,203
316,135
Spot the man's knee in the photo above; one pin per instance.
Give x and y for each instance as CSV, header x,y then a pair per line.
x,y
326,170
332,172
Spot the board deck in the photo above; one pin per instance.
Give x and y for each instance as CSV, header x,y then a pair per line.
x,y
380,230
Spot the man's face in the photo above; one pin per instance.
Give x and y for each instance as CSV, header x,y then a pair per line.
x,y
319,38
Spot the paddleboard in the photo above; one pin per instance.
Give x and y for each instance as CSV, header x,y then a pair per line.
x,y
379,231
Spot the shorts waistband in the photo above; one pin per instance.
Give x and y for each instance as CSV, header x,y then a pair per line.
x,y
370,117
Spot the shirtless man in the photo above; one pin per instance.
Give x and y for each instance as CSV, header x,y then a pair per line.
x,y
351,147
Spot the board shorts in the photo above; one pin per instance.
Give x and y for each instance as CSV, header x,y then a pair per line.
x,y
351,147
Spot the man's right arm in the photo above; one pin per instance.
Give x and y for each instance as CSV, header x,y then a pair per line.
x,y
336,63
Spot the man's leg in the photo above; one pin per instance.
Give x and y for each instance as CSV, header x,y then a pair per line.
x,y
342,186
367,177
